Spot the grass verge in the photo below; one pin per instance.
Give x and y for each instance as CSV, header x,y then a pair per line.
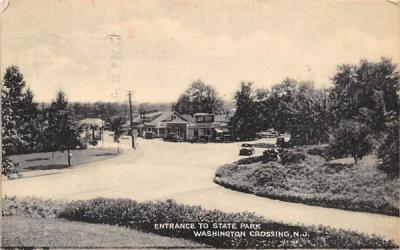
x,y
314,181
23,231
58,160
144,216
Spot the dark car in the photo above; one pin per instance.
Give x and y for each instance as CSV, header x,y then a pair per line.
x,y
173,138
247,145
246,151
149,135
200,139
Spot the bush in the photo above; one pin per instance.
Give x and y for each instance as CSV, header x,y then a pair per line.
x,y
351,138
321,150
289,157
32,207
389,150
249,160
143,216
9,168
336,184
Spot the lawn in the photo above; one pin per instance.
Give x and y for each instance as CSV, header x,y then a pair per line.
x,y
23,231
336,184
58,160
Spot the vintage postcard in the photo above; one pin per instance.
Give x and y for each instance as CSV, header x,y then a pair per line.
x,y
234,124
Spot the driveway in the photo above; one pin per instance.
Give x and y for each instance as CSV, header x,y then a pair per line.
x,y
184,172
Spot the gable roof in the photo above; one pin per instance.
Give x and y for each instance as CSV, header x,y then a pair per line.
x,y
165,117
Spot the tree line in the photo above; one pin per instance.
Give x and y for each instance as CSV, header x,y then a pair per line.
x,y
358,114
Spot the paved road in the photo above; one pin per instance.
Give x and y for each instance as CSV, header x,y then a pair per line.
x,y
185,172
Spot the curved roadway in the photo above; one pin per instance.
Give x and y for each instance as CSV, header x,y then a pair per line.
x,y
184,172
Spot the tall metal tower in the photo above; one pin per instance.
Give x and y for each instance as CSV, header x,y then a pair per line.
x,y
115,60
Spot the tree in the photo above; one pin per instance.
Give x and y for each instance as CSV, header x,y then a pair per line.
x,y
306,115
351,138
12,109
62,133
389,149
245,119
281,95
116,124
18,118
29,127
365,92
199,98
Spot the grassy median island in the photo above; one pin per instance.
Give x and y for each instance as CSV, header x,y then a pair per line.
x,y
308,178
132,215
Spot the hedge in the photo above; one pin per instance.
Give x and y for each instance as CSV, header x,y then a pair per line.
x,y
143,216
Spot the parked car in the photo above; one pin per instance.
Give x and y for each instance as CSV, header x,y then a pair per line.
x,y
246,151
201,139
247,145
149,135
173,138
270,133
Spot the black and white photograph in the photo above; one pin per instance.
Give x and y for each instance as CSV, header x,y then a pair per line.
x,y
192,124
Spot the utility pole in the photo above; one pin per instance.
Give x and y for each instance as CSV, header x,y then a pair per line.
x,y
130,118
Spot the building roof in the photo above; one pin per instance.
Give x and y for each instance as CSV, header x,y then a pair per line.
x,y
188,117
165,117
197,114
221,118
92,121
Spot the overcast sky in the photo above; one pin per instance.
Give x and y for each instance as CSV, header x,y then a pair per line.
x,y
168,44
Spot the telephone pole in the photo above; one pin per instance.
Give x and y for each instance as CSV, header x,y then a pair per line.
x,y
130,118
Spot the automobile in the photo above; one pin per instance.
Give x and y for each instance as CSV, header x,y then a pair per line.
x,y
149,135
270,133
199,140
247,145
246,151
173,138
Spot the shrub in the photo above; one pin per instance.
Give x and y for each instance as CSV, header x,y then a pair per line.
x,y
389,150
9,168
351,138
30,206
142,216
289,157
321,150
249,160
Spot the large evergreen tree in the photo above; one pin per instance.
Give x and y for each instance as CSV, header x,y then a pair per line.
x,y
61,133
